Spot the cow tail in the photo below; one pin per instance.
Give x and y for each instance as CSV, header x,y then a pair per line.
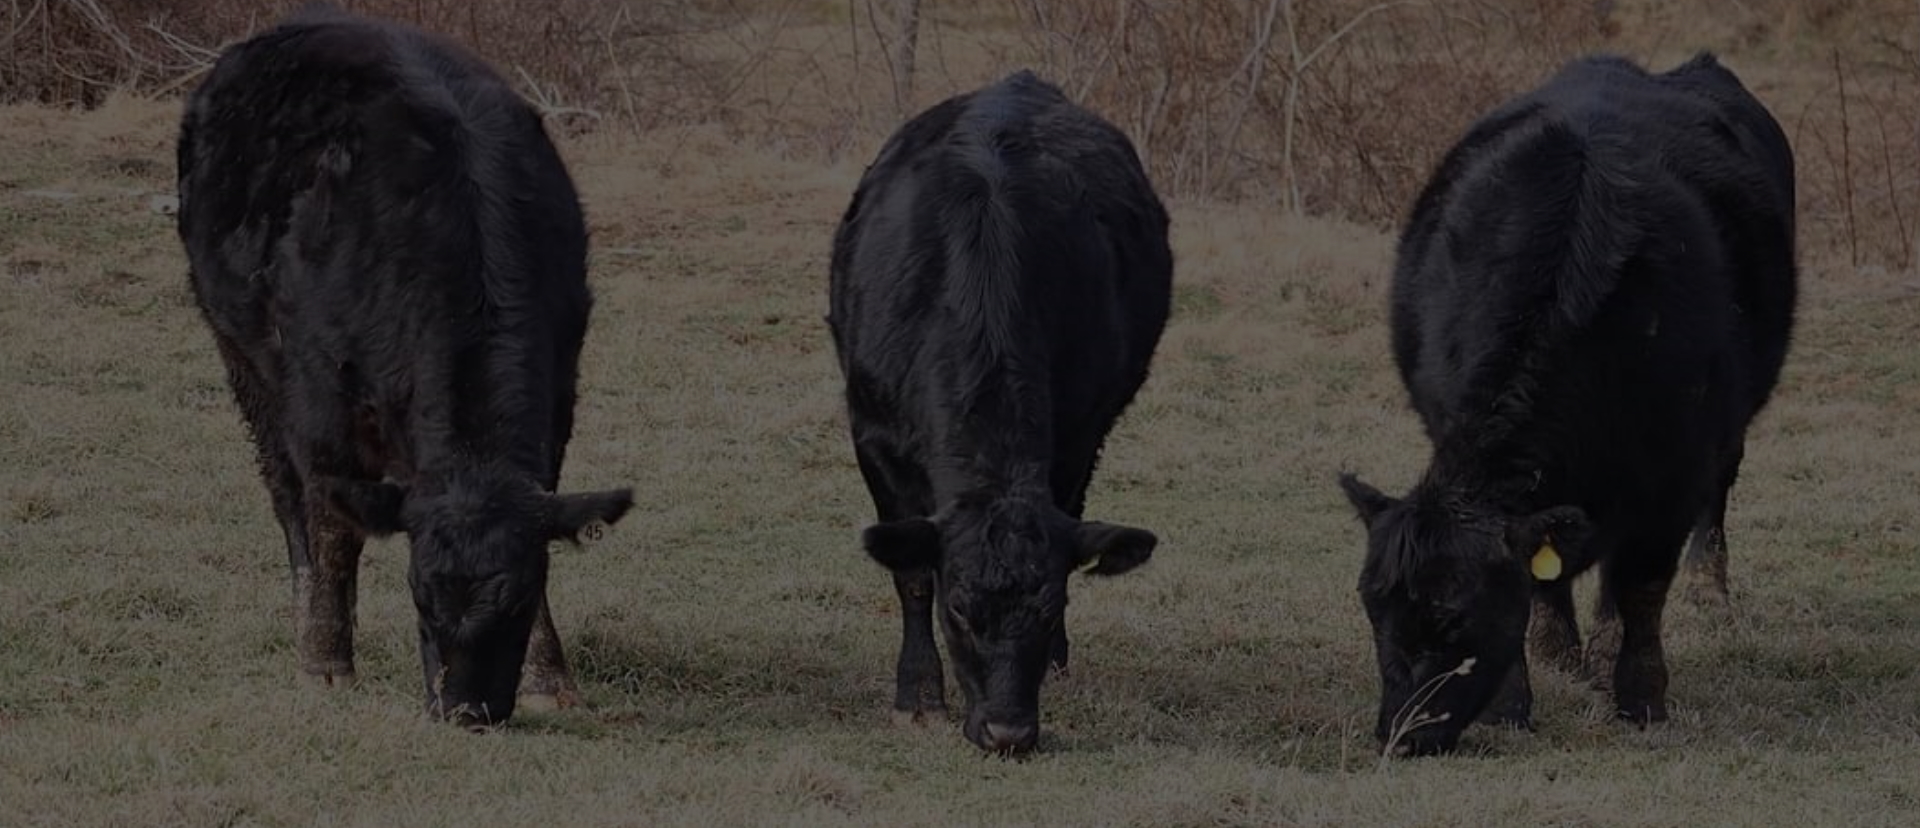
x,y
983,248
1604,223
1605,228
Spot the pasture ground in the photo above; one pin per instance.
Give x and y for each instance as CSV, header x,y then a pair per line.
x,y
737,647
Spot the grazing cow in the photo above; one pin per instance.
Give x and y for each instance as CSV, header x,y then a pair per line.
x,y
1592,300
999,284
391,258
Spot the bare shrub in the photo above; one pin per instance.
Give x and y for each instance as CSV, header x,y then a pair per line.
x,y
577,58
76,51
1391,98
788,85
1161,69
1857,147
1843,78
1331,107
582,61
1340,106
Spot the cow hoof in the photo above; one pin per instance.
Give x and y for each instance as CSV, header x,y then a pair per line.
x,y
919,718
1513,708
1706,594
1521,724
1507,717
336,677
549,702
1642,714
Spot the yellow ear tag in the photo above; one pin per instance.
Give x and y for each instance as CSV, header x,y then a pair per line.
x,y
1546,562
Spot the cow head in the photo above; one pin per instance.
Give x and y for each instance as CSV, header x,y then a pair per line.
x,y
478,570
1001,570
1446,586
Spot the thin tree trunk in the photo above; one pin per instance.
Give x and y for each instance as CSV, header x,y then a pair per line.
x,y
907,15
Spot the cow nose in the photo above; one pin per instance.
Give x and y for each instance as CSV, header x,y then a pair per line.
x,y
1011,738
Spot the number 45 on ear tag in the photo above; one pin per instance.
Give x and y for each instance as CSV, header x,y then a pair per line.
x,y
589,534
593,532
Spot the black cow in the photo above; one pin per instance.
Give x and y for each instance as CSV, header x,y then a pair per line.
x,y
1592,299
999,284
392,260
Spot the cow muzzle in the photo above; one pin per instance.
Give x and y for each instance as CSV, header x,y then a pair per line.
x,y
1004,736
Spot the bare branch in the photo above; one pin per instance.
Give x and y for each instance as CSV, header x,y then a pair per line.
x,y
1252,67
1352,23
903,56
1846,162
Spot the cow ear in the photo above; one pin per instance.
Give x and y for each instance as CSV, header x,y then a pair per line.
x,y
373,507
575,516
1368,502
1553,542
1112,549
903,545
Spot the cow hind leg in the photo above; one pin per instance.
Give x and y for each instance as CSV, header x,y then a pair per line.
x,y
1706,559
257,400
1059,648
546,683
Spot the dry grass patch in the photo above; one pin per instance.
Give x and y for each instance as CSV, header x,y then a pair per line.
x,y
736,646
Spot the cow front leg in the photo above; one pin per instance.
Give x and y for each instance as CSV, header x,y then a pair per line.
x,y
1640,670
1058,647
322,616
1072,480
1513,704
919,685
546,683
1625,653
324,594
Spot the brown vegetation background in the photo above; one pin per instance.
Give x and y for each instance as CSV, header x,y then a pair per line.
x,y
1328,107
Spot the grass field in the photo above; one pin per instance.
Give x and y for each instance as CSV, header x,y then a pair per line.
x,y
737,647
